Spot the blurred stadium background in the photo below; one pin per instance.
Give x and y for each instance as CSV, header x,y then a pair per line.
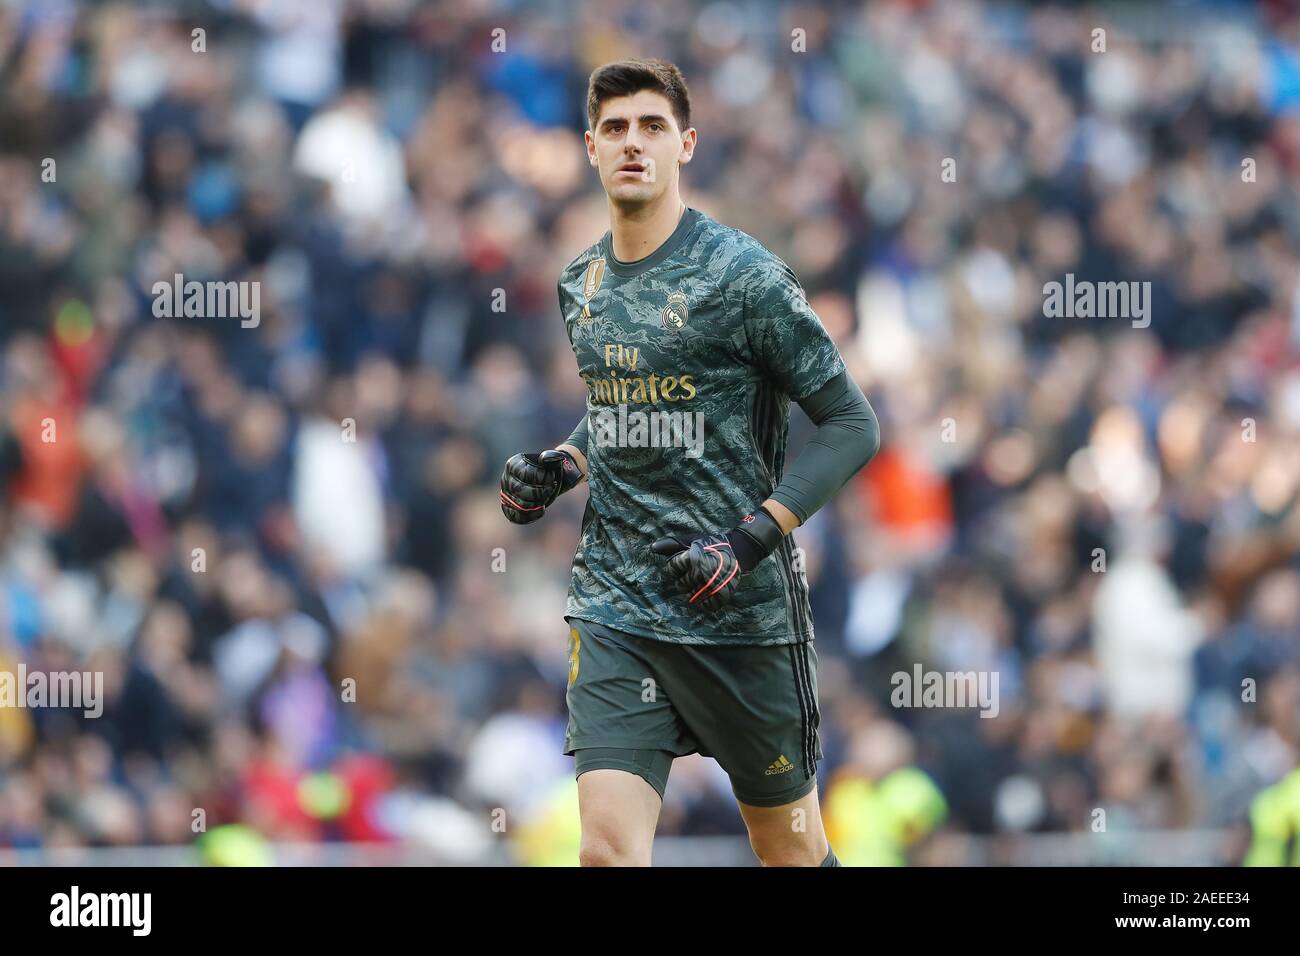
x,y
381,171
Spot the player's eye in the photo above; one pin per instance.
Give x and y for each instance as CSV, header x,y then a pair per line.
x,y
656,127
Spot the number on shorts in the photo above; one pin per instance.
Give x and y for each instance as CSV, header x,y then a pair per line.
x,y
575,642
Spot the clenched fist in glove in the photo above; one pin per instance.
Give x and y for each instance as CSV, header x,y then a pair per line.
x,y
532,481
706,570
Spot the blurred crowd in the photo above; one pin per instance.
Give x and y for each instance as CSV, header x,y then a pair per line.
x,y
281,544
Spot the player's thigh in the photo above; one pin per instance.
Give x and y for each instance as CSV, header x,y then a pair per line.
x,y
618,806
787,835
754,709
623,737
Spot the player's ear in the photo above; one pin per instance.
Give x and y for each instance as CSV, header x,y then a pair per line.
x,y
688,147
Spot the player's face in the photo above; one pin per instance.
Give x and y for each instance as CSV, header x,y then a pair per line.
x,y
637,147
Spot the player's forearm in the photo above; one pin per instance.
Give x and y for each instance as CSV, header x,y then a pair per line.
x,y
847,437
786,518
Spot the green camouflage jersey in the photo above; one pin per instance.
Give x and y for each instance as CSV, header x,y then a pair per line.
x,y
690,356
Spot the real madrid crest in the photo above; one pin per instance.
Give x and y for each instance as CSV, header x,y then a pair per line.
x,y
676,313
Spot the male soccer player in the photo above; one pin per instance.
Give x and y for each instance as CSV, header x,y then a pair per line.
x,y
689,620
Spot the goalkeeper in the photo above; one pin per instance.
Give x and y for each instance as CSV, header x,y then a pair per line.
x,y
690,628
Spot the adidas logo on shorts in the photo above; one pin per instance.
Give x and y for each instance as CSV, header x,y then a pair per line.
x,y
779,765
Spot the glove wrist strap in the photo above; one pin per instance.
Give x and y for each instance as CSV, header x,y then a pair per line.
x,y
570,473
753,540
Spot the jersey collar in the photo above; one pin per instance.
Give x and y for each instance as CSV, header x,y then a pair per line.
x,y
644,264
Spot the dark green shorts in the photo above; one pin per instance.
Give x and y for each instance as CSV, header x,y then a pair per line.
x,y
635,703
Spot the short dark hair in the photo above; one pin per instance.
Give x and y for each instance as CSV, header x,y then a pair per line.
x,y
632,76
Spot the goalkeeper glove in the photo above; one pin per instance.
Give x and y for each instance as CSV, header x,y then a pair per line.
x,y
706,569
530,482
